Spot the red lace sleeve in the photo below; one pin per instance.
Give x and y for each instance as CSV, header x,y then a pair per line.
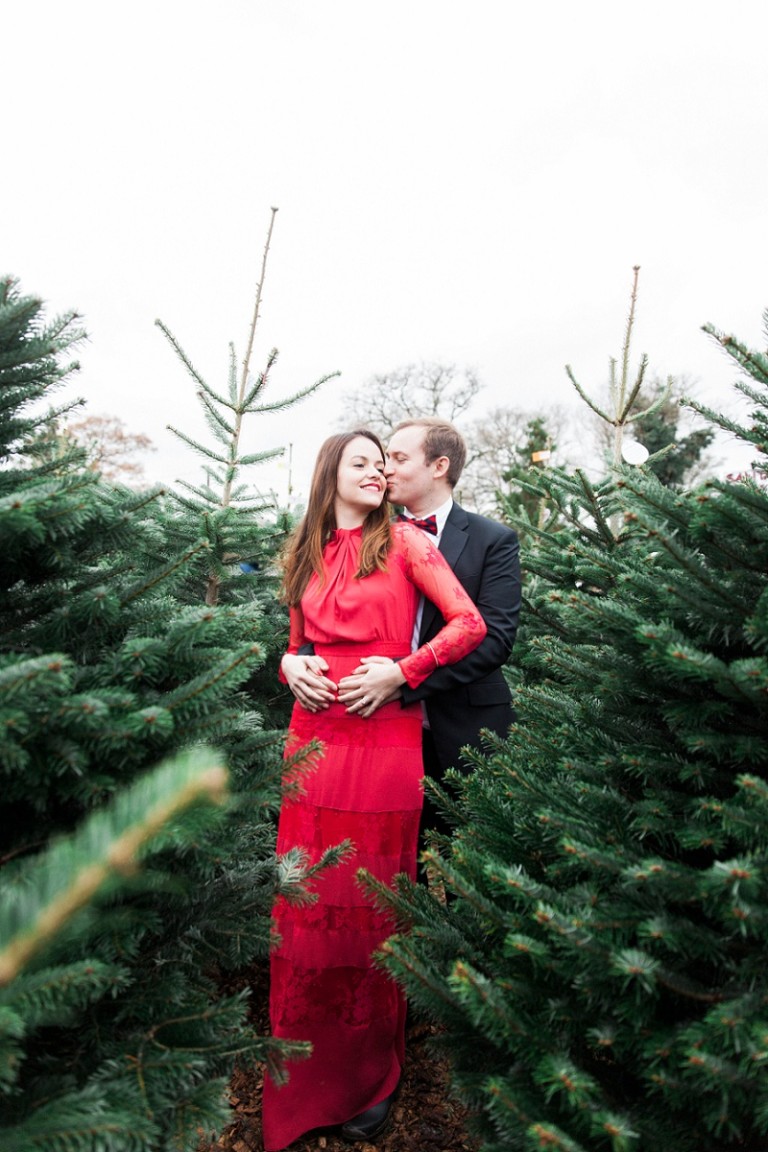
x,y
464,626
295,639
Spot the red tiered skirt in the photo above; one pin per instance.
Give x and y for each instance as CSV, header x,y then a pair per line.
x,y
366,788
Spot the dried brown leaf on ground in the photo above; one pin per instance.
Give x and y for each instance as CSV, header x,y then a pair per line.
x,y
425,1117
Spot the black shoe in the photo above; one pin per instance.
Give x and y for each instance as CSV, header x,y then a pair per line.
x,y
369,1124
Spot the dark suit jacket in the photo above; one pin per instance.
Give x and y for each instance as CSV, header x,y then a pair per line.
x,y
462,698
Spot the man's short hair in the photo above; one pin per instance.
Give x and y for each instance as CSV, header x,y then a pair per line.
x,y
440,439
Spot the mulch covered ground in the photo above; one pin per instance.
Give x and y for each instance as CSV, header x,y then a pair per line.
x,y
425,1117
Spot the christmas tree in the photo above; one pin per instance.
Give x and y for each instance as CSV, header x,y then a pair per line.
x,y
660,431
600,967
126,888
514,503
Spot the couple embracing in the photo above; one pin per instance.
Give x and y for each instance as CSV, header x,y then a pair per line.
x,y
399,632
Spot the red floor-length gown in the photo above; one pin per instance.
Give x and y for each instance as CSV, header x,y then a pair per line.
x,y
366,788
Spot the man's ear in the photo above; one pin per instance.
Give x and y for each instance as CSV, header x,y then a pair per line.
x,y
440,466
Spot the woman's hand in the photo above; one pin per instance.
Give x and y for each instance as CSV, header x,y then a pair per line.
x,y
305,676
377,680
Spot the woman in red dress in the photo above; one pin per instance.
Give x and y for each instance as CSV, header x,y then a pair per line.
x,y
353,581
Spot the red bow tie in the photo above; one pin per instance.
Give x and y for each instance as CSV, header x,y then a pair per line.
x,y
429,523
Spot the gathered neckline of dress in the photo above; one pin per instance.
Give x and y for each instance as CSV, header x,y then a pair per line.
x,y
341,533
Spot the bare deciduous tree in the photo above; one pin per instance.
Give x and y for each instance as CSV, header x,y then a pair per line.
x,y
424,389
494,444
109,447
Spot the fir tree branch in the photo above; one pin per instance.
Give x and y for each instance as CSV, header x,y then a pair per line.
x,y
622,416
258,457
195,444
750,435
219,424
182,355
256,307
279,405
586,398
82,1121
162,574
73,871
754,363
212,588
197,688
232,376
753,395
592,500
260,382
628,337
206,494
667,980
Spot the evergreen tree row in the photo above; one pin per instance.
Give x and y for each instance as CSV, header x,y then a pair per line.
x,y
127,888
600,968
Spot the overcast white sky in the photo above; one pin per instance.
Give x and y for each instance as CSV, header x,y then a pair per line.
x,y
467,182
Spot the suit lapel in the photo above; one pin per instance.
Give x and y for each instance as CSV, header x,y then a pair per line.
x,y
452,543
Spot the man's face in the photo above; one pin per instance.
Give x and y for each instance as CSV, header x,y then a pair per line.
x,y
410,480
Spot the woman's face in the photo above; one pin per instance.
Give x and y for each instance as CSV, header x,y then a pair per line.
x,y
360,483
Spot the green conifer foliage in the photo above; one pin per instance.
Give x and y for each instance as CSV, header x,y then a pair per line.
x,y
658,432
229,514
114,1034
515,504
601,968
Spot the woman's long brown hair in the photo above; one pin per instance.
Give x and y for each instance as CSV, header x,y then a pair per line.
x,y
304,554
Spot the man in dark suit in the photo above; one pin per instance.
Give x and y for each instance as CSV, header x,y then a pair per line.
x,y
425,458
